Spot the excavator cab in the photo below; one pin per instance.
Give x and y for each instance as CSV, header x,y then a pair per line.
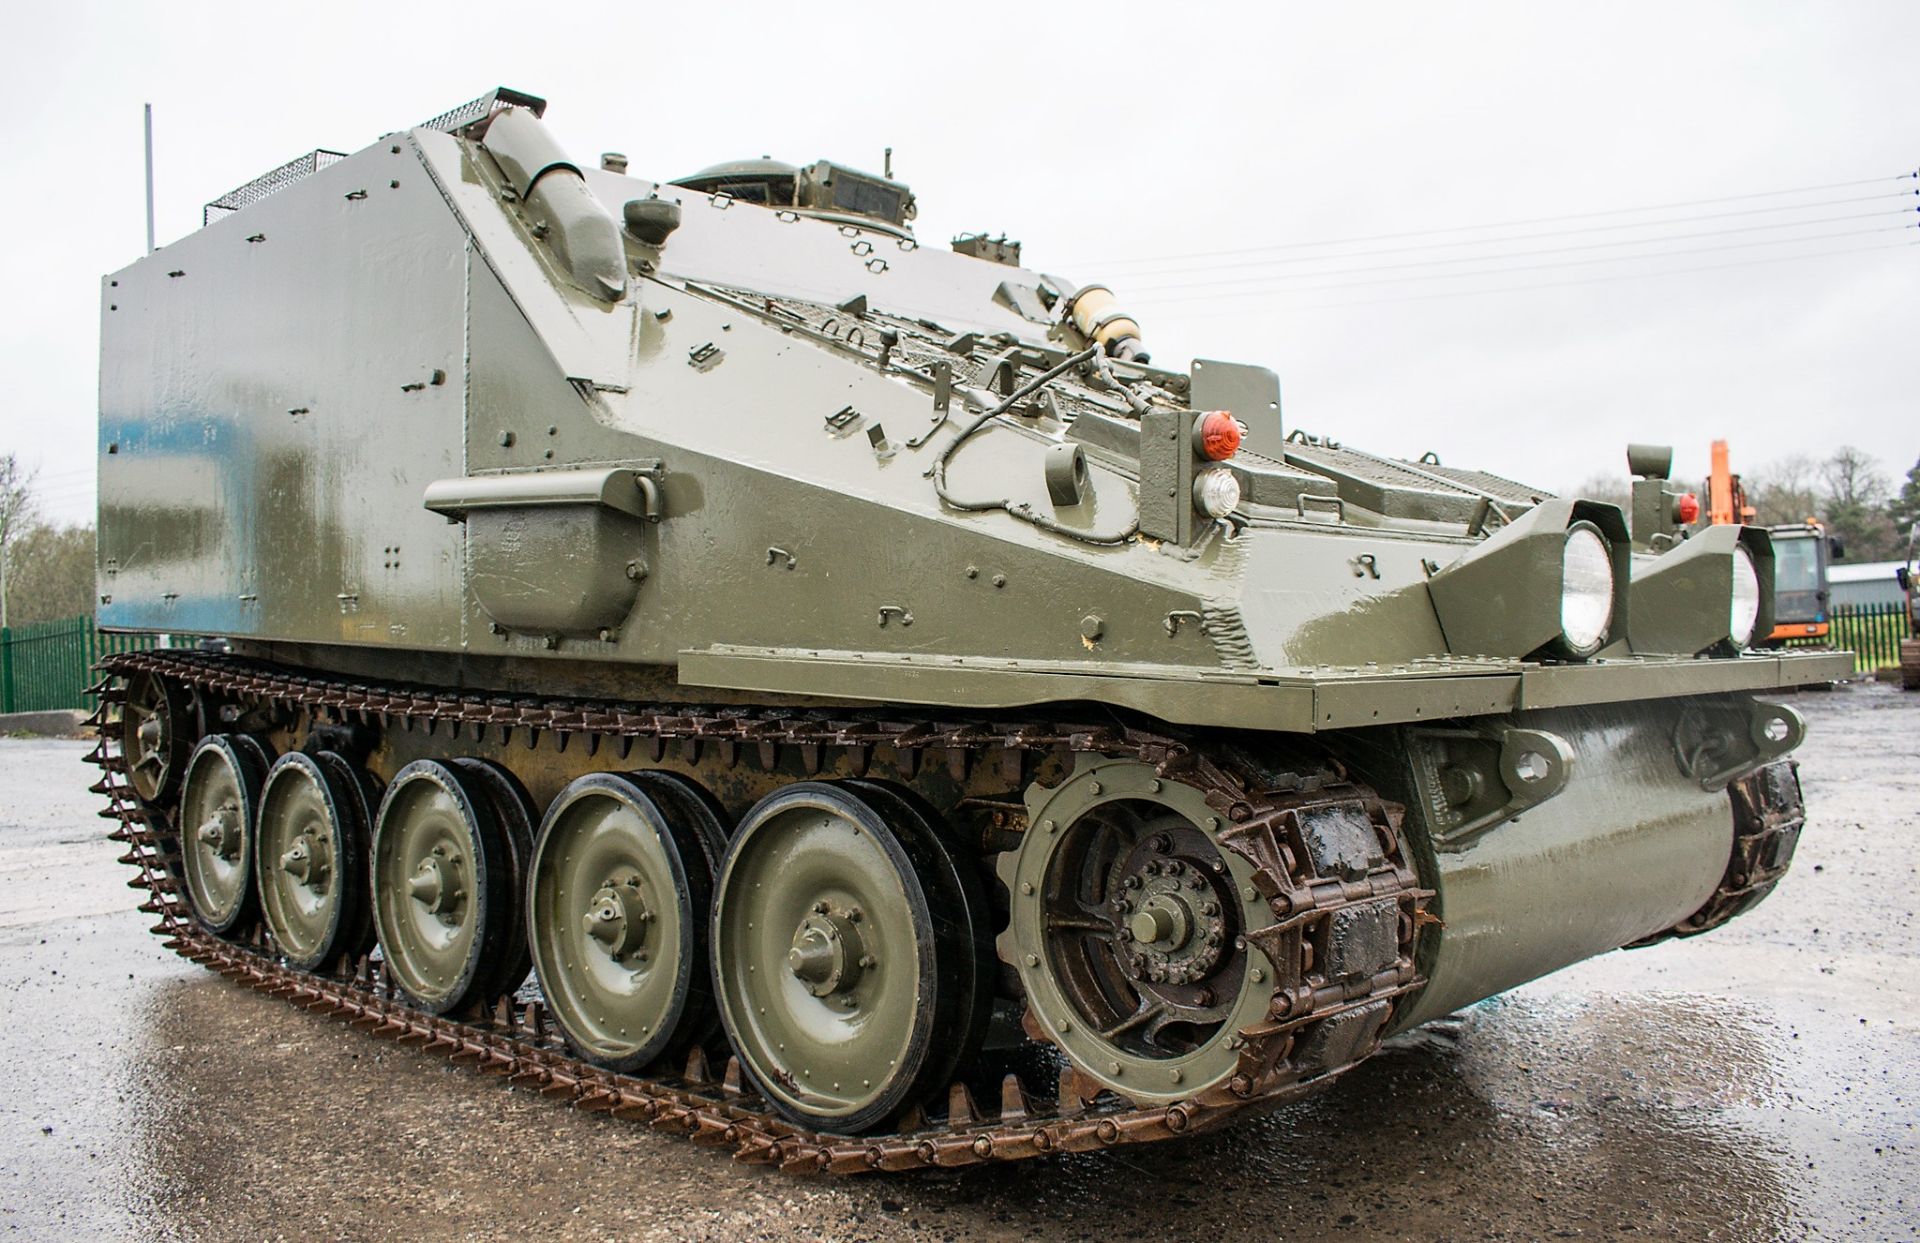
x,y
1801,595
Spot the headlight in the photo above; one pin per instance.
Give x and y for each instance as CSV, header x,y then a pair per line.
x,y
1586,590
1746,597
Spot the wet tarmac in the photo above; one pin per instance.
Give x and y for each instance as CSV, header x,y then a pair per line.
x,y
1762,1082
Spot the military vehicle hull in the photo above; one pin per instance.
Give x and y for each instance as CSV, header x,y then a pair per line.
x,y
853,679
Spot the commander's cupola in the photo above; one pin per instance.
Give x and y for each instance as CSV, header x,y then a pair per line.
x,y
823,189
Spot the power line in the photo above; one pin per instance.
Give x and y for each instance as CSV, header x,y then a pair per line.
x,y
55,494
1521,237
1522,254
1590,280
1526,267
66,473
1507,224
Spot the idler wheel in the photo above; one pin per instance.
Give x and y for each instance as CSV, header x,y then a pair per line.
x,y
844,996
219,798
156,736
618,905
1127,927
442,894
310,858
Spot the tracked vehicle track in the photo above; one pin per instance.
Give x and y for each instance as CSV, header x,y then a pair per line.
x,y
1768,814
1318,1024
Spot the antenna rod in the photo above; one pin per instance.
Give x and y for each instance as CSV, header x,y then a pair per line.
x,y
888,173
150,246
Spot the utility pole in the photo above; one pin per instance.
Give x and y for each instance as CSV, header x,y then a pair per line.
x,y
150,246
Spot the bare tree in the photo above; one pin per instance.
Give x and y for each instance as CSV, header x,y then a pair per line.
x,y
16,515
1604,487
1783,491
50,573
1854,505
1853,479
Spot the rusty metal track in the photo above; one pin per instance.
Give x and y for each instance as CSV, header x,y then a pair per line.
x,y
1315,1027
1768,813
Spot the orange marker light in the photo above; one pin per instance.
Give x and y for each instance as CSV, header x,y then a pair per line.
x,y
1688,507
1219,435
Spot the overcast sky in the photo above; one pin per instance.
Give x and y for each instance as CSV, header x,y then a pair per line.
x,y
1107,138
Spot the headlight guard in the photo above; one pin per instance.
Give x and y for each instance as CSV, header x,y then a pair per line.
x,y
1509,596
1685,600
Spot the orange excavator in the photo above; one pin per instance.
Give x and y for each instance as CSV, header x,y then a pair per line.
x,y
1800,550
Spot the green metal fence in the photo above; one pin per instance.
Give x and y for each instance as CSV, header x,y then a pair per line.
x,y
48,665
1872,632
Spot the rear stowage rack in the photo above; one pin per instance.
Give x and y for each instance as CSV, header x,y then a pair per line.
x,y
266,183
483,108
452,121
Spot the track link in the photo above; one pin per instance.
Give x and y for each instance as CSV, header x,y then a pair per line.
x,y
1315,1029
1768,814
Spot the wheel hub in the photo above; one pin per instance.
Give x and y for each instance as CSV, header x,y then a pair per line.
x,y
1163,923
436,884
305,861
1171,914
221,833
617,918
827,954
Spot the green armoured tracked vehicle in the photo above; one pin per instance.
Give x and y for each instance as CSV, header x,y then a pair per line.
x,y
692,647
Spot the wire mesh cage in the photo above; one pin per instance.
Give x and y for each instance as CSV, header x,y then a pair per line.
x,y
268,183
451,121
455,119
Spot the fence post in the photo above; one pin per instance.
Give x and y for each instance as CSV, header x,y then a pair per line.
x,y
6,669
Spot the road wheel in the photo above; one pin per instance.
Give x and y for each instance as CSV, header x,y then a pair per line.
x,y
219,796
156,732
514,812
841,992
972,979
310,859
619,903
442,904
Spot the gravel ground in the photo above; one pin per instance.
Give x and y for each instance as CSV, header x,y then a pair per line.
x,y
1762,1082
